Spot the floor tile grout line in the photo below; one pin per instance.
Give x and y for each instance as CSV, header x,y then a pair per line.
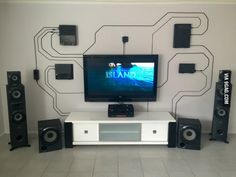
x,y
140,161
94,163
46,168
165,167
69,169
118,163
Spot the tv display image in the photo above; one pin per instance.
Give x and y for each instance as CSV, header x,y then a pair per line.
x,y
120,77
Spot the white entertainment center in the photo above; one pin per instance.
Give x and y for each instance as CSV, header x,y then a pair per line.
x,y
96,128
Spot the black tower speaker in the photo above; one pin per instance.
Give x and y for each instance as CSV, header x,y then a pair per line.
x,y
219,129
16,110
49,133
189,134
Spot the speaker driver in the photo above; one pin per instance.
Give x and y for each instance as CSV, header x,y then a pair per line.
x,y
18,116
16,94
220,132
221,112
14,78
50,135
189,134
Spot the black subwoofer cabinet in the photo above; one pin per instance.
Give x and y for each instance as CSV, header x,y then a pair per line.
x,y
189,133
49,135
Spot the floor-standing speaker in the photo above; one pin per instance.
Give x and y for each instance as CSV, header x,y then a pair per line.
x,y
50,135
16,110
189,133
219,129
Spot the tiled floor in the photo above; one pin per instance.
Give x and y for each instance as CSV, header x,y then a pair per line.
x,y
216,159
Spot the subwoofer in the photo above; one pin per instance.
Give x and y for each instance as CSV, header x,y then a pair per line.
x,y
189,133
50,135
221,110
16,110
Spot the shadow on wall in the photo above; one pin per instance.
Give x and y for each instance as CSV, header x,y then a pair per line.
x,y
1,115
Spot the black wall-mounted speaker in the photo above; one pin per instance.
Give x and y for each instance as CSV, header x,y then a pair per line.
x,y
64,71
182,35
49,135
68,134
68,34
221,110
189,133
16,110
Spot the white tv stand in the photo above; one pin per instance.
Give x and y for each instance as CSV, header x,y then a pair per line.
x,y
96,128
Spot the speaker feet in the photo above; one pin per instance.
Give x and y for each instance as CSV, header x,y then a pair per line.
x,y
227,142
213,139
11,149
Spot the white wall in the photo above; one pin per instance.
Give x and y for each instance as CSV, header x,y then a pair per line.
x,y
21,21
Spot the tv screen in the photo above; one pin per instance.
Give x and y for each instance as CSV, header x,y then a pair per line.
x,y
120,78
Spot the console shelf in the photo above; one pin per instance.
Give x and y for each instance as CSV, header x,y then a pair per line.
x,y
94,128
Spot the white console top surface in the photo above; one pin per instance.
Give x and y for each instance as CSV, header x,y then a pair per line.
x,y
139,117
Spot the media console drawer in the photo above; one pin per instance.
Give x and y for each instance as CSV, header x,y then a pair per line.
x,y
85,132
154,132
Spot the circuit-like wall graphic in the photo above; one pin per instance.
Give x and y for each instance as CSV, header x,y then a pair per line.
x,y
67,95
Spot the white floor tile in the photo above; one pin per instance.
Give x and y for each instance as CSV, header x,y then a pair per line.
x,y
215,159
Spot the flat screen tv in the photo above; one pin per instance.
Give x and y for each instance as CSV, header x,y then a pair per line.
x,y
119,78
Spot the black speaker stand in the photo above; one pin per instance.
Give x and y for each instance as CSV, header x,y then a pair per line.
x,y
12,148
225,141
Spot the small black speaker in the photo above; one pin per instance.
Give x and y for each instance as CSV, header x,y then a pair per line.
x,y
16,110
172,134
50,135
68,134
189,133
221,110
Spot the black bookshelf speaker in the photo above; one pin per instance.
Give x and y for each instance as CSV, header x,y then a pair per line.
x,y
68,134
189,133
221,109
171,135
49,135
16,110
